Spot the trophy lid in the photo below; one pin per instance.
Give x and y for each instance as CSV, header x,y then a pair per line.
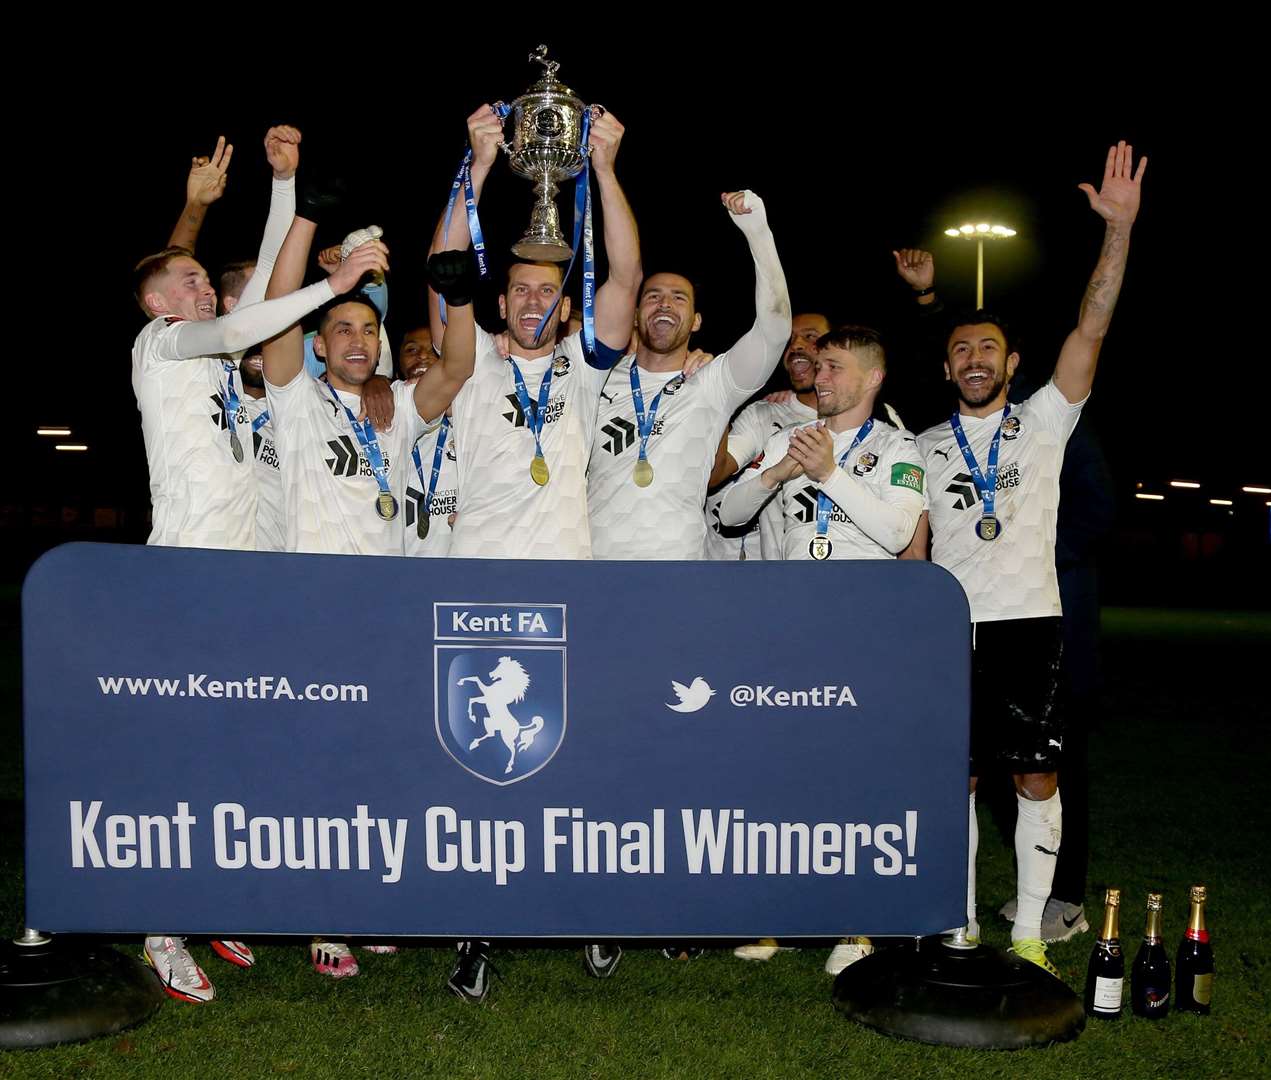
x,y
548,84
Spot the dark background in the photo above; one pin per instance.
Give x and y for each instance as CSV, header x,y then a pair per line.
x,y
855,150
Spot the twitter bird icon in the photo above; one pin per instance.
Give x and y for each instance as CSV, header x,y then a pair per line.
x,y
692,697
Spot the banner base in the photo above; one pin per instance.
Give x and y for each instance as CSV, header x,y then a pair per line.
x,y
982,998
52,992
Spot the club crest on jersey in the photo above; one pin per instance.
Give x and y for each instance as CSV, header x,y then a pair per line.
x,y
561,366
1011,427
499,687
865,464
674,386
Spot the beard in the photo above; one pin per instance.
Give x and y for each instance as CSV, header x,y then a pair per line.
x,y
988,393
524,338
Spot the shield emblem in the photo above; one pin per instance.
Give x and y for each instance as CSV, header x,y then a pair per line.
x,y
500,709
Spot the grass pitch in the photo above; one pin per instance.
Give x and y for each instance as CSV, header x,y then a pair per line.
x,y
1178,765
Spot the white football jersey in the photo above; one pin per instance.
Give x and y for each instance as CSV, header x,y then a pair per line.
x,y
271,524
887,464
199,495
1013,576
663,520
445,495
329,489
762,537
502,512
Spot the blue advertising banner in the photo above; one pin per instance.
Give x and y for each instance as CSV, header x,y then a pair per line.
x,y
238,743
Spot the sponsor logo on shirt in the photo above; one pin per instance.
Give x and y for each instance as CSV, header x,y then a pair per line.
x,y
516,417
962,488
907,476
346,461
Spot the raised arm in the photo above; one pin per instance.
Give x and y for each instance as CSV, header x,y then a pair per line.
x,y
283,355
616,298
1117,202
282,151
204,185
752,359
485,132
453,274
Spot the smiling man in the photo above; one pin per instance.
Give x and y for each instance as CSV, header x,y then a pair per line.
x,y
658,428
993,483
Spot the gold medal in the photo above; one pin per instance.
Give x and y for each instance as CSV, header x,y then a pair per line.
x,y
820,548
987,527
386,505
236,446
643,473
538,470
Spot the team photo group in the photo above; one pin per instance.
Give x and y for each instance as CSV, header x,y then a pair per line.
x,y
284,417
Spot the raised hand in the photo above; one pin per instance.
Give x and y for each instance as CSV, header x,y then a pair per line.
x,y
485,132
735,202
606,134
367,259
453,276
329,259
916,267
1117,200
282,151
813,448
206,182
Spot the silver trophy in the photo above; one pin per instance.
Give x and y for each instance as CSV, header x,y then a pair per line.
x,y
546,147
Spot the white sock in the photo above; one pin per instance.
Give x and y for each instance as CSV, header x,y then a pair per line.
x,y
1038,826
973,846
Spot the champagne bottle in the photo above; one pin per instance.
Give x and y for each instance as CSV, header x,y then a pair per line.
x,y
1150,978
1195,967
1105,977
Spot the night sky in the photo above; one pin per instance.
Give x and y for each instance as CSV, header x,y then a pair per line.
x,y
853,158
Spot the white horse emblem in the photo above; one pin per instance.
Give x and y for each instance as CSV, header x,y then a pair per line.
x,y
508,683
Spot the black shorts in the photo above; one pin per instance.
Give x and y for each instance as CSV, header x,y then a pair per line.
x,y
1016,715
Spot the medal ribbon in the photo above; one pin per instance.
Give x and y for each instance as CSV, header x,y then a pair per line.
x,y
463,181
534,417
986,481
643,423
431,486
365,432
260,421
824,504
583,231
229,398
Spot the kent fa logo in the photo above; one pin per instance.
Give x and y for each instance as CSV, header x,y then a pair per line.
x,y
619,435
345,462
963,490
500,694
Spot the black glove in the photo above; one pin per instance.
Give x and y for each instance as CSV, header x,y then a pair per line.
x,y
453,276
317,195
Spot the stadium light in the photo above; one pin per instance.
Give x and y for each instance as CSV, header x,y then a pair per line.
x,y
70,446
1145,495
980,232
1220,502
1256,490
1184,484
60,431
